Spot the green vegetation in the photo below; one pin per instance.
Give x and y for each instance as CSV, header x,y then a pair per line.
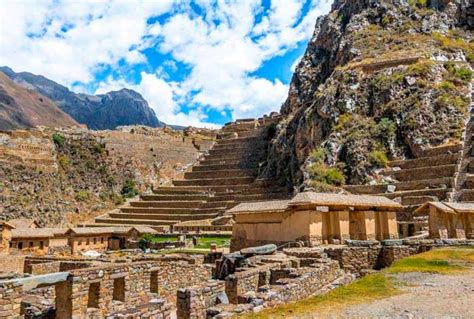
x,y
453,43
321,174
99,148
63,161
82,196
417,3
386,128
129,189
443,261
58,139
205,242
378,158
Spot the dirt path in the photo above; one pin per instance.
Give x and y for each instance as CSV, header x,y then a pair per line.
x,y
424,296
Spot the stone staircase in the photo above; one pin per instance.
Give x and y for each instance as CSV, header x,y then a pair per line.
x,y
222,179
415,181
444,173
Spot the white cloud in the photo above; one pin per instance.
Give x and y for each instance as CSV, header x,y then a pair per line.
x,y
69,41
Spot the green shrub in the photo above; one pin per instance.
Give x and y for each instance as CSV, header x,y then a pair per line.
x,y
58,139
63,161
320,173
82,196
386,20
343,120
446,86
129,190
417,3
99,148
420,68
386,128
378,158
317,155
464,74
145,241
117,199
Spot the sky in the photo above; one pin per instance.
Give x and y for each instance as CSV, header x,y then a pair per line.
x,y
200,62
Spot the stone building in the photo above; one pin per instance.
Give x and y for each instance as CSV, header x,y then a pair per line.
x,y
24,223
128,237
314,218
29,239
6,231
89,238
449,220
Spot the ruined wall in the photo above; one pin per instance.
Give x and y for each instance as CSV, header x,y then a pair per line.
x,y
193,302
10,306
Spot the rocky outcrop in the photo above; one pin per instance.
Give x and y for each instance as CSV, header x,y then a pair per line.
x,y
22,108
98,112
379,80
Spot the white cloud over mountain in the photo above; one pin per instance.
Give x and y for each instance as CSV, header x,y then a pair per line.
x,y
222,44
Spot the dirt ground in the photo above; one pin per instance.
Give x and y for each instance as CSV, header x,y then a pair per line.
x,y
425,295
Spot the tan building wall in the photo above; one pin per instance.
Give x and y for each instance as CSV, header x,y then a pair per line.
x,y
311,226
84,243
6,234
31,244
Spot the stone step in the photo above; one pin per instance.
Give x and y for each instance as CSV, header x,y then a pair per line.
x,y
239,141
239,198
441,193
467,195
180,190
229,161
469,182
242,146
169,204
122,221
256,187
220,174
209,182
234,156
417,200
426,161
170,211
173,217
220,167
400,186
440,150
182,204
236,151
470,167
173,197
422,173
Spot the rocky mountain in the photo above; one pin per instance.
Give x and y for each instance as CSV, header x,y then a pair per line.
x,y
23,108
98,112
379,80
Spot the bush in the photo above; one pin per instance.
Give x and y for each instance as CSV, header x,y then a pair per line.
x,y
99,148
378,158
317,155
82,196
117,199
63,161
58,139
320,173
129,190
145,241
386,128
464,74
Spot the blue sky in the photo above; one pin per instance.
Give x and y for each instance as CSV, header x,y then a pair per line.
x,y
200,63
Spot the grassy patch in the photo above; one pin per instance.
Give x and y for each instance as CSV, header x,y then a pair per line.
x,y
205,242
368,288
442,261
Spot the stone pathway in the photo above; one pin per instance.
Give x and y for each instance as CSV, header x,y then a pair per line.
x,y
425,296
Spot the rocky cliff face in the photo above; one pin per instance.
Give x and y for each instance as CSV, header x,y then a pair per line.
x,y
379,80
21,108
105,111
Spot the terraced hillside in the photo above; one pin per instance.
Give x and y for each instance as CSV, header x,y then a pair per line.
x,y
223,178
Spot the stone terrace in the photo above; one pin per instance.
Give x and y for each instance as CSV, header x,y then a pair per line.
x,y
222,179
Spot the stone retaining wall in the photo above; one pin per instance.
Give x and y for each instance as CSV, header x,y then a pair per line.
x,y
193,302
10,306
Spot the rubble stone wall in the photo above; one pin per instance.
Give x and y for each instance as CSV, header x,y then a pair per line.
x,y
39,267
11,295
193,302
